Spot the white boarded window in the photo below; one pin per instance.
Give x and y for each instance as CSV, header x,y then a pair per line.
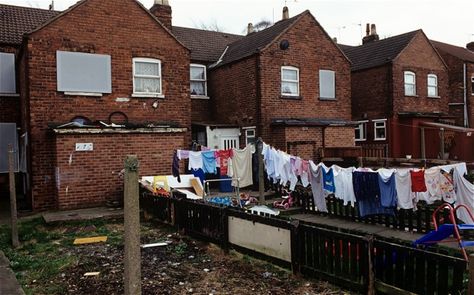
x,y
410,83
432,85
361,131
83,72
290,81
198,80
7,73
380,130
327,84
147,77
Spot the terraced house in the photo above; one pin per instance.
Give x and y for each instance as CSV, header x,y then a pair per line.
x,y
98,81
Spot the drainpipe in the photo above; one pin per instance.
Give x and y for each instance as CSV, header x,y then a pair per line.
x,y
466,118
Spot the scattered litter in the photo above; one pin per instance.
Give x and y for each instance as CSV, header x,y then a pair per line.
x,y
267,274
92,274
181,283
206,270
191,257
90,240
190,290
162,244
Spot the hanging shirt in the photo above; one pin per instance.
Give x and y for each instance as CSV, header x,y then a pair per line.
x,y
403,185
175,166
343,184
465,196
328,178
199,173
367,192
433,189
447,187
224,156
183,154
304,173
195,160
317,183
298,166
418,181
242,166
388,191
209,162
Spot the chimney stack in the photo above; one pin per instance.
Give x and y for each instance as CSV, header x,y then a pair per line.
x,y
286,13
470,46
367,29
162,10
371,34
250,29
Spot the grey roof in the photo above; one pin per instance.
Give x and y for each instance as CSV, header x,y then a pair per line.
x,y
377,53
205,46
457,51
311,122
16,21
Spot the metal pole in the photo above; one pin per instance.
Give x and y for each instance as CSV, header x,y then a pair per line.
x,y
13,209
261,178
132,257
442,143
423,145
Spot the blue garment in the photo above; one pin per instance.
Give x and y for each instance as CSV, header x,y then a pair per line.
x,y
367,193
198,173
328,178
209,163
388,191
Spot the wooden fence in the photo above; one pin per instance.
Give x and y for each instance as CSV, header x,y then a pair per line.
x,y
352,261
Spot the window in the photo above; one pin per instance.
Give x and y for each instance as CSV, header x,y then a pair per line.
x,y
361,131
147,77
410,84
250,136
290,81
472,85
198,80
327,84
83,73
7,73
380,130
432,85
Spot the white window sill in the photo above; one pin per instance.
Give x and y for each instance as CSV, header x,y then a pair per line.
x,y
95,94
146,95
9,95
379,139
358,140
199,96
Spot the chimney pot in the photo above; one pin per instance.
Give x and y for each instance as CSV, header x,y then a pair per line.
x,y
162,2
334,39
470,46
286,13
367,29
250,29
373,30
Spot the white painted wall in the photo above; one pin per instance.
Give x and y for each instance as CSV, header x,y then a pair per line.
x,y
217,135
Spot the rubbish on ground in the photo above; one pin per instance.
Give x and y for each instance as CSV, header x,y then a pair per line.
x,y
162,244
90,240
92,274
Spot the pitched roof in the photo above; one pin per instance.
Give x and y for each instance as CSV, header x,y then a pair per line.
x,y
16,21
377,53
254,42
206,46
457,51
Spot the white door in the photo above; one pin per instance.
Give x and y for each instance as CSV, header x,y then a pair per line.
x,y
229,142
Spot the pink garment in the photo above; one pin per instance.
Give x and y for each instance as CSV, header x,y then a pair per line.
x,y
298,166
183,154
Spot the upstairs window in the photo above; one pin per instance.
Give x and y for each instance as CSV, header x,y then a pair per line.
x,y
327,84
361,131
147,77
432,85
410,84
83,73
380,129
198,80
290,81
7,73
472,85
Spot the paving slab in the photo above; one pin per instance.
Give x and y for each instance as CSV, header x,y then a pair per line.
x,y
8,283
83,214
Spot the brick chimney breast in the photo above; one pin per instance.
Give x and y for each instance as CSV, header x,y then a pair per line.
x,y
162,10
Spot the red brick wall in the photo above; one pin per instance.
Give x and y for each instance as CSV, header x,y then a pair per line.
x,y
470,93
296,136
126,31
10,105
420,58
339,137
201,110
91,178
310,50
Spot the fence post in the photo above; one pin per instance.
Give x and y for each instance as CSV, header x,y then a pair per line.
x,y
13,209
132,257
295,253
471,274
225,235
371,273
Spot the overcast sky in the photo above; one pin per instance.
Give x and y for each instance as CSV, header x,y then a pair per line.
x,y
448,21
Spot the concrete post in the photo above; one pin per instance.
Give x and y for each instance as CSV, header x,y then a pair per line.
x,y
132,272
13,210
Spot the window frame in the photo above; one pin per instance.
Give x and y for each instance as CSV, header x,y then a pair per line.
x,y
435,86
297,81
472,85
160,77
200,80
247,136
410,73
363,130
384,121
13,93
334,84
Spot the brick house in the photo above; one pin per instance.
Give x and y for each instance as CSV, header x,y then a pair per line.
x,y
397,83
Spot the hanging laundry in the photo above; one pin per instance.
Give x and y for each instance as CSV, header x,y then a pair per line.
x,y
387,185
297,166
183,154
344,189
464,194
242,166
403,185
224,156
304,173
367,192
199,173
418,181
175,166
268,159
205,148
195,160
328,178
433,189
209,162
317,183
446,185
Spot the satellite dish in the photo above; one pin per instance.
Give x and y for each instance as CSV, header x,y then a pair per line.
x,y
284,44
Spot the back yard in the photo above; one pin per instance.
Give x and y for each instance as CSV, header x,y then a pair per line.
x,y
49,263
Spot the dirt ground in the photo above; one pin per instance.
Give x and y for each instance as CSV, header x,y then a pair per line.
x,y
185,266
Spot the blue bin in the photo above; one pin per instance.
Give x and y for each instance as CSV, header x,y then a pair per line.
x,y
225,186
